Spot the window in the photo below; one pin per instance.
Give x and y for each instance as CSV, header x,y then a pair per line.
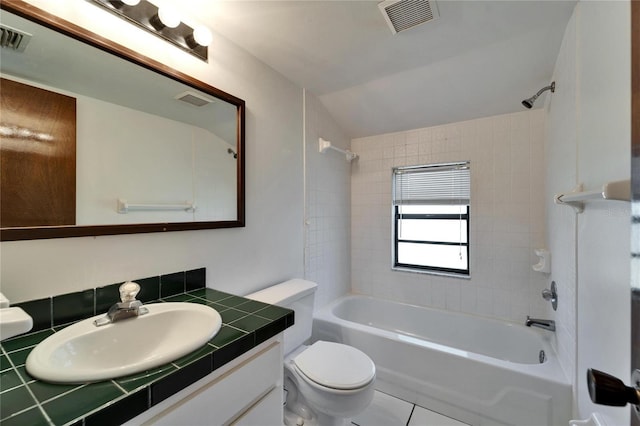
x,y
431,218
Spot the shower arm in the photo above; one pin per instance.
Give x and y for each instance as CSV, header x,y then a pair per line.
x,y
551,87
528,103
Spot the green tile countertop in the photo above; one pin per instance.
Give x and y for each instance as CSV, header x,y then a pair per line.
x,y
27,401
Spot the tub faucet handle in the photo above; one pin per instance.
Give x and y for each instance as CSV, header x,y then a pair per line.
x,y
551,295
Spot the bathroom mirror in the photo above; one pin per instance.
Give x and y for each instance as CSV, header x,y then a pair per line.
x,y
155,149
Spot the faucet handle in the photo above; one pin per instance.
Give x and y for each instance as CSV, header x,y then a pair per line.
x,y
551,295
129,291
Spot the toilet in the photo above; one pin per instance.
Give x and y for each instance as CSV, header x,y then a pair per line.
x,y
325,383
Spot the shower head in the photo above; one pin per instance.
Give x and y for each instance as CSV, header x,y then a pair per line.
x,y
528,103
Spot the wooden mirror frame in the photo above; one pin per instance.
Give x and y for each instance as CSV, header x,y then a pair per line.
x,y
34,14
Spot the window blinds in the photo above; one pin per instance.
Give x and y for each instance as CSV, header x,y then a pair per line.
x,y
436,184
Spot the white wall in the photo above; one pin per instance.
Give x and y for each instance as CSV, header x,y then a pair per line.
x,y
604,149
507,215
589,142
327,205
189,164
269,249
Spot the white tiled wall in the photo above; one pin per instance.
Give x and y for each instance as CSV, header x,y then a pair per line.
x,y
507,215
327,205
561,176
603,52
588,142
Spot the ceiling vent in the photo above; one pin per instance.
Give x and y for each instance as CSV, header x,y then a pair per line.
x,y
193,99
404,14
13,39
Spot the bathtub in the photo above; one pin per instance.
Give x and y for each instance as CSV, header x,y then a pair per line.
x,y
476,370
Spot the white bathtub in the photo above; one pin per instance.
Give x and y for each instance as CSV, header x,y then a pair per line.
x,y
477,370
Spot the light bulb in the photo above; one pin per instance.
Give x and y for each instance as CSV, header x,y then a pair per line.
x,y
202,35
119,4
168,17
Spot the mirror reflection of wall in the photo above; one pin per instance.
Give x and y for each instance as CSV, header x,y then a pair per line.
x,y
177,163
119,158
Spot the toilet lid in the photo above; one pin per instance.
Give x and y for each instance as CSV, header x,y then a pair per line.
x,y
335,365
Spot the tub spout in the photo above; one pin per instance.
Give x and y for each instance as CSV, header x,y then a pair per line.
x,y
541,323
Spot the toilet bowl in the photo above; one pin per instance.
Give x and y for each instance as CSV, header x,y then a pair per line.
x,y
326,383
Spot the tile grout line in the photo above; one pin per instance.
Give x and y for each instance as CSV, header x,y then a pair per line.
x,y
53,398
411,414
37,402
246,333
119,387
51,310
95,410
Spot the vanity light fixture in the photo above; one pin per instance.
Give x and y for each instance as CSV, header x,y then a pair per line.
x,y
163,21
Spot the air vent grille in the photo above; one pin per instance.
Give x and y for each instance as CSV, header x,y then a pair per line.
x,y
193,99
404,14
13,39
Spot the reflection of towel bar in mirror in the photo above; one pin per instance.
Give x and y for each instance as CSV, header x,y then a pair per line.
x,y
619,190
124,207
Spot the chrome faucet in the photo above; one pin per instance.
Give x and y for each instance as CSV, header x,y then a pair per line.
x,y
127,307
541,323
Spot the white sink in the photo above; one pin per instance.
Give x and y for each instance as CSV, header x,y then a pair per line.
x,y
84,352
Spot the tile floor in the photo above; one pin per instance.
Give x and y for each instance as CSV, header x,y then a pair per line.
x,y
386,410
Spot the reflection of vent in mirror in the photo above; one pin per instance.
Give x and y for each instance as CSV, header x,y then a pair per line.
x,y
404,14
194,99
13,39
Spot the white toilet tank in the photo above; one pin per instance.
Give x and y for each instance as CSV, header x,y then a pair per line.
x,y
296,294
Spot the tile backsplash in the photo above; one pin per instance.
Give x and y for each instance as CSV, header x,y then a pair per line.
x,y
62,309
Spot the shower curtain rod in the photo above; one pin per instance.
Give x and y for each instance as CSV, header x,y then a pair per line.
x,y
324,145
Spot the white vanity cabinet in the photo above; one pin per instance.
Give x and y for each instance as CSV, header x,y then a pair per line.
x,y
246,391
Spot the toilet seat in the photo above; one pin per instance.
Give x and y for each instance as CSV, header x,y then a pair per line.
x,y
335,366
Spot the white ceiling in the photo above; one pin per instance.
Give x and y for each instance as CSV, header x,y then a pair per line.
x,y
480,58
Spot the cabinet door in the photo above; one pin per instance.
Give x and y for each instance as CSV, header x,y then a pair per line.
x,y
267,411
227,397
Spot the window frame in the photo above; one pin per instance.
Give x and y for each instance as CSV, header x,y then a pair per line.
x,y
430,269
397,217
